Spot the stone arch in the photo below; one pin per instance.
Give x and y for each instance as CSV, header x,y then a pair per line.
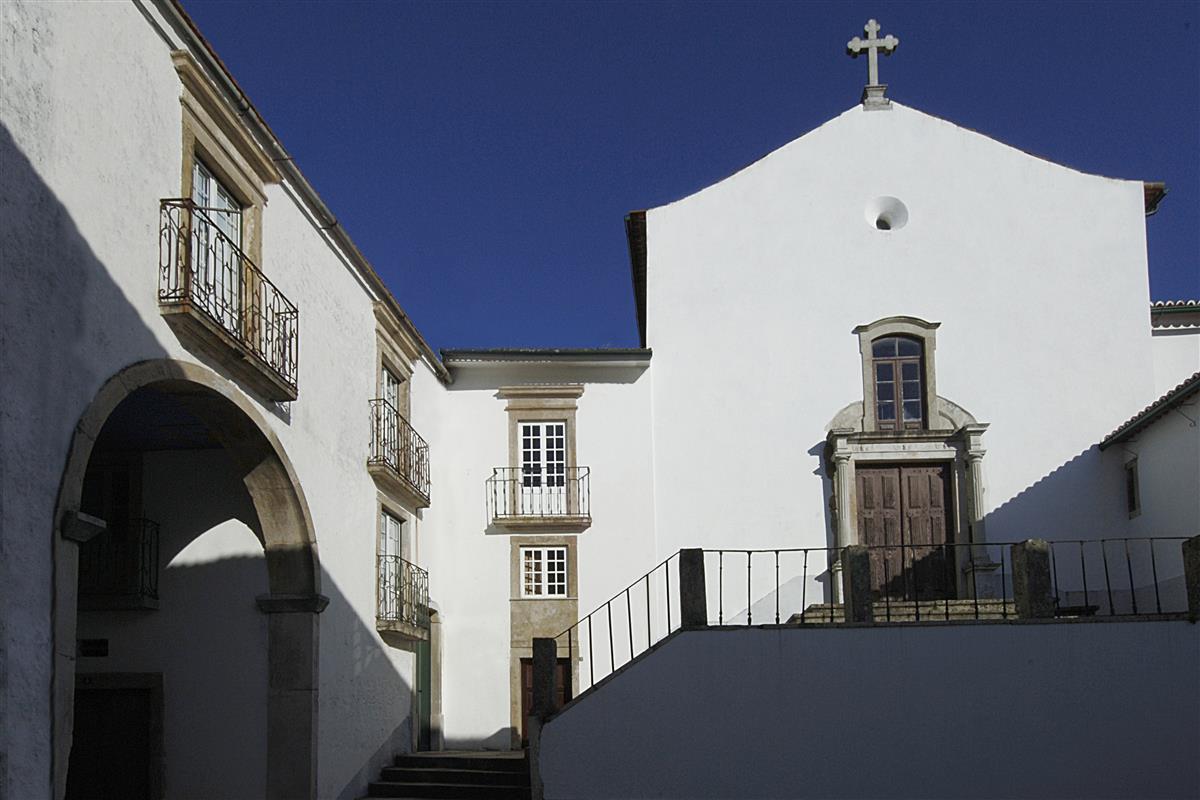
x,y
289,542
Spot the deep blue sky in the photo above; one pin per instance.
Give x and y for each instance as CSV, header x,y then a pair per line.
x,y
483,155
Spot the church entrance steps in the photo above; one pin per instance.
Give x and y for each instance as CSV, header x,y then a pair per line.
x,y
907,611
481,776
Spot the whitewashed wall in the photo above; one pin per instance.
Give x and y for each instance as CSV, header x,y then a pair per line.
x,y
755,283
1176,356
1099,710
1168,465
89,104
469,568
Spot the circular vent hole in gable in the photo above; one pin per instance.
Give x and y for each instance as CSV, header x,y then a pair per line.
x,y
886,214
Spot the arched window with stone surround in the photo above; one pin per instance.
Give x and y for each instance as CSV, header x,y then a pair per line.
x,y
899,380
898,372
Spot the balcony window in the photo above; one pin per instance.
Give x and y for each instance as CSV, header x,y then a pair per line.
x,y
524,497
402,597
119,568
399,457
213,294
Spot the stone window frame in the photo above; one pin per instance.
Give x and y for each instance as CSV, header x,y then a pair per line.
x,y
396,352
910,327
386,504
213,133
545,549
548,403
539,616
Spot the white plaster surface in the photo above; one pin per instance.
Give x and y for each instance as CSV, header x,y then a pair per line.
x,y
1168,465
1097,710
1176,357
755,283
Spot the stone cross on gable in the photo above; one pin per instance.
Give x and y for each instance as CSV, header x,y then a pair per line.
x,y
873,93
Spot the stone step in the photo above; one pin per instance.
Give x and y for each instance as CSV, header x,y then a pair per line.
x,y
483,775
514,762
477,777
447,791
906,611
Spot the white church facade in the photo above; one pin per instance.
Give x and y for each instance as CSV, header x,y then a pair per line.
x,y
259,535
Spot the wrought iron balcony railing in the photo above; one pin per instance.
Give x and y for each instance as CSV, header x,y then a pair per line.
x,y
402,593
120,566
521,496
204,275
396,446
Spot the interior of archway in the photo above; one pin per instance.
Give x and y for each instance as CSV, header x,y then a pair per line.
x,y
172,673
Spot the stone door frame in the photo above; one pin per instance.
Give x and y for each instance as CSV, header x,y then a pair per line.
x,y
293,568
960,444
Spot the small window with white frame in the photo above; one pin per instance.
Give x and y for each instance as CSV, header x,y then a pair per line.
x,y
543,572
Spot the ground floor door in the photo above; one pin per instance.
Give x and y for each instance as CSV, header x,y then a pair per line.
x,y
562,690
116,747
424,695
904,517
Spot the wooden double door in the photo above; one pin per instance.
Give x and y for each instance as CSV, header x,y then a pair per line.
x,y
904,518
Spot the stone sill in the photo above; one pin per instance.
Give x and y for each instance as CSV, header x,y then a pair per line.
x,y
197,329
565,524
403,629
389,480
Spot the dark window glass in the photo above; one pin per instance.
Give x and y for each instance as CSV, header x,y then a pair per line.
x,y
898,359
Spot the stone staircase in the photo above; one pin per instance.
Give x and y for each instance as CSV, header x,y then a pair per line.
x,y
488,775
906,611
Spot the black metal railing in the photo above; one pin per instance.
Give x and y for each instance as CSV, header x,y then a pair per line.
x,y
910,583
797,586
202,267
516,493
951,580
395,444
595,649
1118,576
121,562
401,592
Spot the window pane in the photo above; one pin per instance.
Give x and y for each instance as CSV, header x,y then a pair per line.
x,y
912,390
912,410
909,347
884,347
910,371
884,372
885,391
887,411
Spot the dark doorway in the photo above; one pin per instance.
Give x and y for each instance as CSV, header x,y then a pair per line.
x,y
424,695
116,750
562,689
903,515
